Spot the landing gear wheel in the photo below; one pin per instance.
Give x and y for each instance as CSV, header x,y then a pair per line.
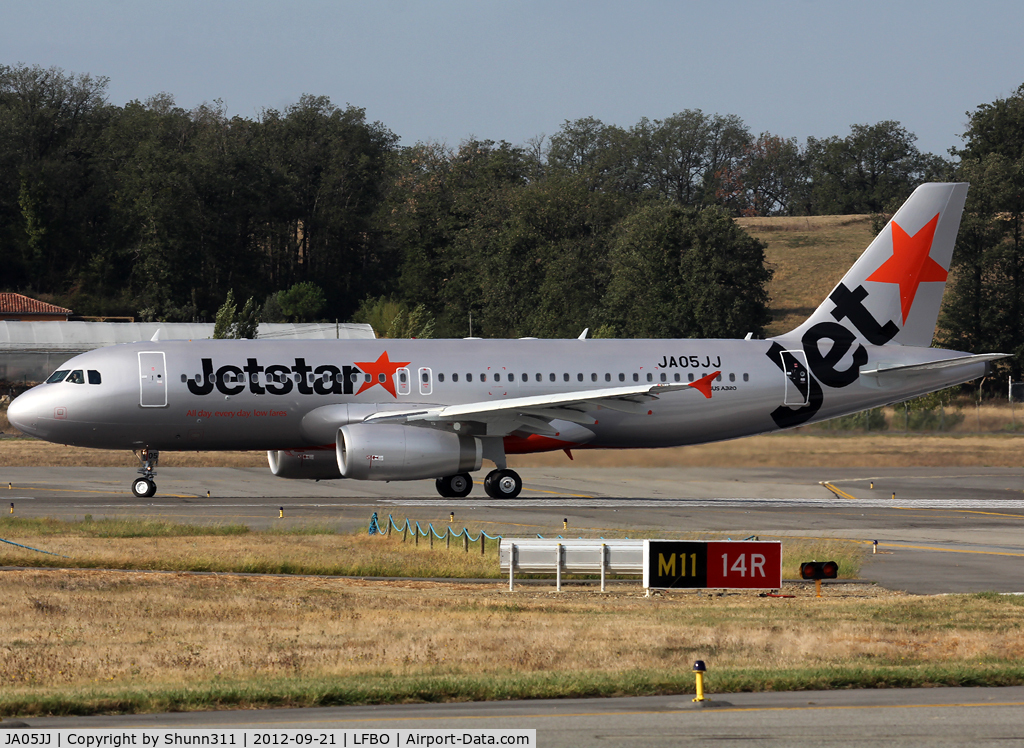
x,y
503,484
143,487
455,486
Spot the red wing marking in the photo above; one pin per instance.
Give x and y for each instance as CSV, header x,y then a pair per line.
x,y
703,385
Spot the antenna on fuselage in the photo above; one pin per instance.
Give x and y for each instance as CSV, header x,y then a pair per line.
x,y
583,335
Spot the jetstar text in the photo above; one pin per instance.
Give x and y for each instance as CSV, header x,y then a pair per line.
x,y
275,379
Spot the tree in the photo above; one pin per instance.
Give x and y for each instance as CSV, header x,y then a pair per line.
x,y
985,302
870,170
302,302
679,272
229,323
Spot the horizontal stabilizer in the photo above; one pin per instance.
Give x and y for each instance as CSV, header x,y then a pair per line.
x,y
945,363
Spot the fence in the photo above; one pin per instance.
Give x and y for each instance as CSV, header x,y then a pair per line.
x,y
430,533
581,556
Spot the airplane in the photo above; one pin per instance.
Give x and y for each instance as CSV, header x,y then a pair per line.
x,y
389,410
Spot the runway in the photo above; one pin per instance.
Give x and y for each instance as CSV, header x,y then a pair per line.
x,y
939,530
894,717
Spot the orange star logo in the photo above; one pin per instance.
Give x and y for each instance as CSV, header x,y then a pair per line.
x,y
381,372
910,264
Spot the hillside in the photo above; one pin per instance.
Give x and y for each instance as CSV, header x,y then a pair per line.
x,y
809,255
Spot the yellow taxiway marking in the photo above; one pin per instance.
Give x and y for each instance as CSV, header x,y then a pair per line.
x,y
556,493
837,491
948,550
86,490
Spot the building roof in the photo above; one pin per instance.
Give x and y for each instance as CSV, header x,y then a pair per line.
x,y
75,337
15,303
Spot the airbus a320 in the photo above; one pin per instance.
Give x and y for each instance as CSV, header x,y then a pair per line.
x,y
389,410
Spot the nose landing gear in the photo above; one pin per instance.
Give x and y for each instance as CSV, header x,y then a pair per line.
x,y
144,487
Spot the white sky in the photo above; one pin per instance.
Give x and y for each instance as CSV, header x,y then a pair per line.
x,y
450,69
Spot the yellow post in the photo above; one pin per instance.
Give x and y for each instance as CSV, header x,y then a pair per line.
x,y
12,507
817,586
699,668
871,485
565,523
894,496
207,494
451,517
280,511
10,487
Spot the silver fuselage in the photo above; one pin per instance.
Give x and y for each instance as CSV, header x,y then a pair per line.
x,y
288,395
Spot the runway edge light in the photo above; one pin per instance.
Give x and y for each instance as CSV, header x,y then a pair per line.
x,y
699,668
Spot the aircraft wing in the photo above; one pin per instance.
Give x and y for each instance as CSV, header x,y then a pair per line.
x,y
533,413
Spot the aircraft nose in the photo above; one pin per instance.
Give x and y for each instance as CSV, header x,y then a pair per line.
x,y
25,411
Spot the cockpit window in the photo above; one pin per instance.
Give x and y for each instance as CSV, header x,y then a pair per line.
x,y
77,377
58,376
94,377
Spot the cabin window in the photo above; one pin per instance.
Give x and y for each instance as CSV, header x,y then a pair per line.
x,y
607,377
426,377
551,376
58,376
469,377
650,377
540,377
402,377
636,377
718,378
593,376
689,377
746,377
455,377
440,377
622,377
483,377
184,378
732,377
664,377
526,377
565,377
676,375
579,377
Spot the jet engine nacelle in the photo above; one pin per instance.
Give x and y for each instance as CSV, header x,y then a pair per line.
x,y
319,464
369,451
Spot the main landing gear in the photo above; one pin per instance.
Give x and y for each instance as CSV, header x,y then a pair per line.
x,y
499,484
144,487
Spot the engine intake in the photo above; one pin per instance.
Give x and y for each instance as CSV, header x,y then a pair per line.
x,y
318,464
368,451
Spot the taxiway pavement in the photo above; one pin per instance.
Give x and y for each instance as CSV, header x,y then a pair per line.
x,y
938,529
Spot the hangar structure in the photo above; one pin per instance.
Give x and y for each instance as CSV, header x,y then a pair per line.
x,y
30,351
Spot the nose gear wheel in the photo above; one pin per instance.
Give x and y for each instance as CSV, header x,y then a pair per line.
x,y
144,487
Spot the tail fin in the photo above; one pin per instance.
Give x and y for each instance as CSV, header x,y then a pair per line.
x,y
893,292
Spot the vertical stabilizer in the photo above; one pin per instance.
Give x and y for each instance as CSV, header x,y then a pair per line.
x,y
893,292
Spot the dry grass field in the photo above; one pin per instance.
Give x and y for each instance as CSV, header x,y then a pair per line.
x,y
88,641
809,255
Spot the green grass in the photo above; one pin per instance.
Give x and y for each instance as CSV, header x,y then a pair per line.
x,y
385,688
113,528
